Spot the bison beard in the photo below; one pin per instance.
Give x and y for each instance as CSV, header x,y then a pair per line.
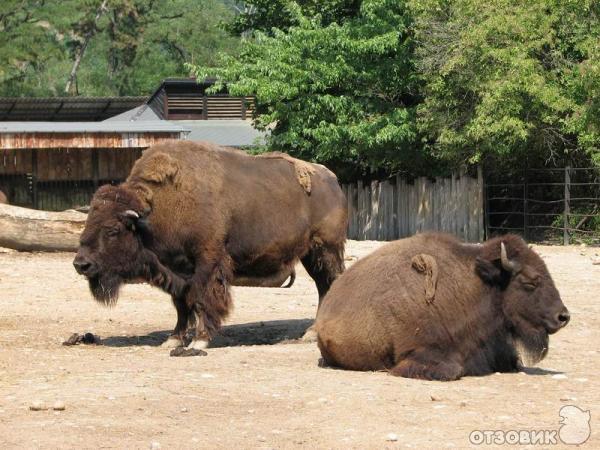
x,y
106,285
532,344
105,288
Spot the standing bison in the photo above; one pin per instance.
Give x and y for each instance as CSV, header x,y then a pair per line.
x,y
434,308
192,218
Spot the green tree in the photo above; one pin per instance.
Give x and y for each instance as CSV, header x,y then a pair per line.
x,y
509,79
28,46
265,15
106,47
341,93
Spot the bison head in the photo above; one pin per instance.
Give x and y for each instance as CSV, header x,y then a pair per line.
x,y
529,300
111,244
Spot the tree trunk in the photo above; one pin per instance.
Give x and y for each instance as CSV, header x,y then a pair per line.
x,y
29,229
71,81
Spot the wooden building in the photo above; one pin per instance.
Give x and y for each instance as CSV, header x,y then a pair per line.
x,y
48,161
56,166
187,99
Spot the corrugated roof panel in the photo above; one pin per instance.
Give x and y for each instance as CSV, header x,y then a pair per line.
x,y
92,127
65,108
233,133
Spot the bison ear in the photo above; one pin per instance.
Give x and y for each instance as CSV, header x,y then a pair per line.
x,y
487,271
130,219
491,272
143,229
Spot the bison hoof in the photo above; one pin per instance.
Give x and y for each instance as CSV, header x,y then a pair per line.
x,y
172,342
310,335
198,344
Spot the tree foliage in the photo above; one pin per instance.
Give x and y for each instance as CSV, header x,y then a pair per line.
x,y
265,15
342,92
366,86
388,84
508,78
132,44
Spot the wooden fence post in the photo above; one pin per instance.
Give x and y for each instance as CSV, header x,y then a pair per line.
x,y
526,205
34,176
95,168
481,202
567,205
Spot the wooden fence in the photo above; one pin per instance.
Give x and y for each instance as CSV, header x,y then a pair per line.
x,y
396,208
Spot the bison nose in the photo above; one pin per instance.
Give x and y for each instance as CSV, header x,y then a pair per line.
x,y
81,265
563,317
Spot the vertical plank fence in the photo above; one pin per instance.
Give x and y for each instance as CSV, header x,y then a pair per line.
x,y
396,208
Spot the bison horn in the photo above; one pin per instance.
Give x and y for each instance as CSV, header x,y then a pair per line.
x,y
131,213
507,264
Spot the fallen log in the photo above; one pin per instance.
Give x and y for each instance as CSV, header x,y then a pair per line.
x,y
32,230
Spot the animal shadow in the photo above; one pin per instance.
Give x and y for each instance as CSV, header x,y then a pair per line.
x,y
254,333
540,371
153,339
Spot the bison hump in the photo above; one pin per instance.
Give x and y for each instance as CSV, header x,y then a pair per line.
x,y
303,169
157,168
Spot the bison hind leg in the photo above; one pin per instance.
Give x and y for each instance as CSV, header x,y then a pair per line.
x,y
428,367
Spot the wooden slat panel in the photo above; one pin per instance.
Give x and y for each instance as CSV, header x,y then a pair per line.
x,y
386,211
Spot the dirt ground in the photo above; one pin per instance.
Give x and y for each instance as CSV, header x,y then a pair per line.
x,y
257,387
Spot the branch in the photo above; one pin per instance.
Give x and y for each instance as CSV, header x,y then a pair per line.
x,y
88,37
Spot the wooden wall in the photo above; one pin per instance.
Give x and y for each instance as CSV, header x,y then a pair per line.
x,y
59,179
397,208
69,164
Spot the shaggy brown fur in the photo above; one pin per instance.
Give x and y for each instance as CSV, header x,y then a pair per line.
x,y
304,170
377,314
3,198
213,215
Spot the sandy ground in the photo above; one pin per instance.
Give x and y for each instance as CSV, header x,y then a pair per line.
x,y
257,387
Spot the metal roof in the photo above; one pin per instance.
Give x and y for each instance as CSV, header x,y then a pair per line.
x,y
65,108
233,133
145,126
143,112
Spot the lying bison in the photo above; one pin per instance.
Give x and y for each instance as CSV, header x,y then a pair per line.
x,y
192,218
434,308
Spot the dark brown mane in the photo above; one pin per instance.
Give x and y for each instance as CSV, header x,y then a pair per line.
x,y
121,195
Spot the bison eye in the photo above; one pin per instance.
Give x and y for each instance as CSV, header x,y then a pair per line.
x,y
529,286
113,231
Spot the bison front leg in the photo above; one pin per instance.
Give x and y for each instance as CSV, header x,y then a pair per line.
x,y
177,338
209,299
164,278
428,366
159,275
